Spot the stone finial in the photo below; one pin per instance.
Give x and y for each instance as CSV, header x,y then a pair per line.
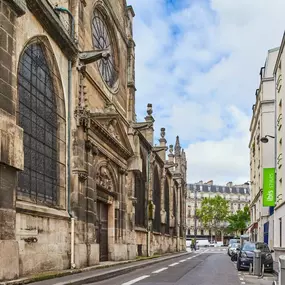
x,y
162,133
177,148
162,140
149,110
171,149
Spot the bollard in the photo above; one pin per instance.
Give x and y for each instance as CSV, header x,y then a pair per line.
x,y
281,269
257,262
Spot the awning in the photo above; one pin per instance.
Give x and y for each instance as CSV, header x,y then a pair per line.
x,y
252,227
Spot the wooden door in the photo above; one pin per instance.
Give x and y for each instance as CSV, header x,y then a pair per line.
x,y
102,209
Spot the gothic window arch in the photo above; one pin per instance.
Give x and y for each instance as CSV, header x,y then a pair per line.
x,y
156,200
166,205
41,114
103,39
140,190
174,208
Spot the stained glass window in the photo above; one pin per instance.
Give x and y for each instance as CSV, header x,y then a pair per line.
x,y
156,201
102,40
38,117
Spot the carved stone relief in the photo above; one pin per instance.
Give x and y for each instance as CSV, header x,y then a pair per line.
x,y
104,179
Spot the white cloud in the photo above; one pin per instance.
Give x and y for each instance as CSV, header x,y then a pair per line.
x,y
202,80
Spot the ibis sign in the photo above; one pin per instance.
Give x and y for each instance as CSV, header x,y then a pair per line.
x,y
268,187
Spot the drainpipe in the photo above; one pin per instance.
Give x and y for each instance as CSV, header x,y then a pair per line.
x,y
72,34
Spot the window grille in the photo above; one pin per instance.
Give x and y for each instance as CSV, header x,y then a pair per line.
x,y
37,115
156,201
166,205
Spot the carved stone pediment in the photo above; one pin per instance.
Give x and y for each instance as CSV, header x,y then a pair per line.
x,y
108,125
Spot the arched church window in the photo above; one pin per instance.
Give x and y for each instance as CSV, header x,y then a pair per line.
x,y
38,116
140,182
102,40
166,205
174,207
156,200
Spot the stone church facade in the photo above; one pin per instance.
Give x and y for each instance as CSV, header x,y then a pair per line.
x,y
81,181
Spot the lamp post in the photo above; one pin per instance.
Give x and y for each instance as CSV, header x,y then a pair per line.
x,y
265,140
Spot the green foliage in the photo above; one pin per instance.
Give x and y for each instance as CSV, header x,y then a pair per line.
x,y
238,221
213,212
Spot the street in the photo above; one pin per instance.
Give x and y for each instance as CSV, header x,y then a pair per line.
x,y
204,267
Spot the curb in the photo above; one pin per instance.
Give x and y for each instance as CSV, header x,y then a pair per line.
x,y
95,277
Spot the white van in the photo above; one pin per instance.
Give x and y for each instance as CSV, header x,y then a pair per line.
x,y
188,242
203,243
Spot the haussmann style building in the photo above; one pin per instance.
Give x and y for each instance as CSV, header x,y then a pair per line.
x,y
262,154
80,179
238,197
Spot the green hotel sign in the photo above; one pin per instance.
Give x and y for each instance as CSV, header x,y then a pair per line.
x,y
268,187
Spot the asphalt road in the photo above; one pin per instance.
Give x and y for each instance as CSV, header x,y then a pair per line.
x,y
206,267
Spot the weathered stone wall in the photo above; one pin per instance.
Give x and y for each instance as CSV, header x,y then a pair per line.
x,y
44,243
141,239
11,140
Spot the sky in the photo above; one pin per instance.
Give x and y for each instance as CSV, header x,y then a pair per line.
x,y
198,63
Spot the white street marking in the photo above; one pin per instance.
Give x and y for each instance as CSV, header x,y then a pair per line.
x,y
159,270
190,257
242,282
183,260
173,264
136,280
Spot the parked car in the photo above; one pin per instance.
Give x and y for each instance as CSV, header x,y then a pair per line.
x,y
231,242
233,248
246,253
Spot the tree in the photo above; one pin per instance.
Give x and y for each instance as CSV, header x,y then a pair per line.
x,y
238,221
213,213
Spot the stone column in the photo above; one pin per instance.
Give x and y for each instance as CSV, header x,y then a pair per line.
x,y
11,139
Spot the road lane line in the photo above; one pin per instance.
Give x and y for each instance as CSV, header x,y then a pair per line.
x,y
159,270
190,257
183,260
135,280
173,264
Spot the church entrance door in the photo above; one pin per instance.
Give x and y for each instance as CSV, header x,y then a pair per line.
x,y
102,210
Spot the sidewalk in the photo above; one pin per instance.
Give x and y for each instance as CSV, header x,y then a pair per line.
x,y
91,274
276,268
268,279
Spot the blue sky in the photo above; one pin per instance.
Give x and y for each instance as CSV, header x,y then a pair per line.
x,y
197,62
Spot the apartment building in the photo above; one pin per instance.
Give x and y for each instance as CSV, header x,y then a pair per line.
x,y
262,154
279,211
237,195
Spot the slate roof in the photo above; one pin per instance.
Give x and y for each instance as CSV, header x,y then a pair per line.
x,y
219,189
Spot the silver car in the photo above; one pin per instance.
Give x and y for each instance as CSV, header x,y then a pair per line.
x,y
233,248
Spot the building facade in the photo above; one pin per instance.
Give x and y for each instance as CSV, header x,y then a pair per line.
x,y
262,154
80,179
279,210
237,195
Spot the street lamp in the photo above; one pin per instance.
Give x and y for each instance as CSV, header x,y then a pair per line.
x,y
265,138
